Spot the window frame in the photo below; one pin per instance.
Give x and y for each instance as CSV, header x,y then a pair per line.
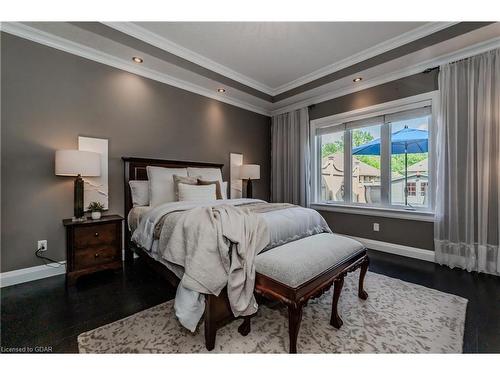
x,y
338,123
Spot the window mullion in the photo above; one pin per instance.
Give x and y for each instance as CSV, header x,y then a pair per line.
x,y
318,168
385,164
347,166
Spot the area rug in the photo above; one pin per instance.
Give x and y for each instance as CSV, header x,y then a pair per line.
x,y
397,317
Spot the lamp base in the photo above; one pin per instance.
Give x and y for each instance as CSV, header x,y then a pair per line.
x,y
78,199
249,188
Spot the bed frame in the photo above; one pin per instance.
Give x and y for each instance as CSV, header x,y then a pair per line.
x,y
217,309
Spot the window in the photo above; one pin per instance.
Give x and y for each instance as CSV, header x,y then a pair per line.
x,y
412,165
375,159
412,189
332,167
365,168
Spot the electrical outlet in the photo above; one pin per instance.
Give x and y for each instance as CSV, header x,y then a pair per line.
x,y
376,227
42,245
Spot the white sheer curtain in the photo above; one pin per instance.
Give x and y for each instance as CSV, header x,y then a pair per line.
x,y
290,153
467,229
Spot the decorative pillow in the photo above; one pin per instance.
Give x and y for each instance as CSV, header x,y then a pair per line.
x,y
207,174
218,193
161,184
183,180
196,192
140,192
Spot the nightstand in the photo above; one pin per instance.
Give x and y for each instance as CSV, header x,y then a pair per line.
x,y
93,245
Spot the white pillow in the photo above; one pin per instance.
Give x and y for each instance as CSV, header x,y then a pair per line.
x,y
206,174
161,184
140,192
197,192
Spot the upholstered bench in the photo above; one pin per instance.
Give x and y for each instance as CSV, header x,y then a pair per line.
x,y
300,270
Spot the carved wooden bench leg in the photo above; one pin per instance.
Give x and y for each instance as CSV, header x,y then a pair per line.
x,y
245,327
361,291
335,319
294,319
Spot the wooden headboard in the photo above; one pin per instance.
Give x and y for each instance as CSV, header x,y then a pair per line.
x,y
135,169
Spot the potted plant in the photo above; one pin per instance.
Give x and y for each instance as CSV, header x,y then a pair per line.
x,y
96,209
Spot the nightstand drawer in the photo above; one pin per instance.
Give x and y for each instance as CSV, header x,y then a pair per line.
x,y
91,235
96,255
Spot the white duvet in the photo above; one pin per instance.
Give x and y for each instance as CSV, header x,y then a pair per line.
x,y
284,226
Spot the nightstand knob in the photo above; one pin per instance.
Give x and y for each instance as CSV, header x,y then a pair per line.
x,y
96,255
96,234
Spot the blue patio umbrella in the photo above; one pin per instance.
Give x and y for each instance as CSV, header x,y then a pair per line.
x,y
405,141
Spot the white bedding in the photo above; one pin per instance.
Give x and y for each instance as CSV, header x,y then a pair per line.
x,y
284,226
144,233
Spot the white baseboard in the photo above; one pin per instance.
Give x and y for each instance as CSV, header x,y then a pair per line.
x,y
35,273
392,248
32,273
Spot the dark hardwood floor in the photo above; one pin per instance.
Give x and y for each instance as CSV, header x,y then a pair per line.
x,y
44,313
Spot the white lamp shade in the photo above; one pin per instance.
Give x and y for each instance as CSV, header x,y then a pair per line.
x,y
76,162
250,171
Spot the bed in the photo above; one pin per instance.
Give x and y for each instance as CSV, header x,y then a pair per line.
x,y
218,312
218,309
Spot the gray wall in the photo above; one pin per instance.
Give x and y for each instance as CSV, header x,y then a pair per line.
x,y
50,97
405,232
399,231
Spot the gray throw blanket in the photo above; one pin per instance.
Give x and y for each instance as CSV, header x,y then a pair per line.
x,y
215,247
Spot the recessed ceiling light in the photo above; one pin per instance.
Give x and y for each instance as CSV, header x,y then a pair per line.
x,y
137,60
221,90
357,79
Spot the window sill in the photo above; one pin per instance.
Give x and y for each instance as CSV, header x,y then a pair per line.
x,y
376,211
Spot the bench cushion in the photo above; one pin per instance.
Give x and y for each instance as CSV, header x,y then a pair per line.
x,y
299,261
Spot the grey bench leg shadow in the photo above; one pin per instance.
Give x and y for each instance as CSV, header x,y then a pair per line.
x,y
294,319
335,319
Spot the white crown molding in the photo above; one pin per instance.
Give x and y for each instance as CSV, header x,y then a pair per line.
x,y
65,45
408,71
149,37
378,49
32,273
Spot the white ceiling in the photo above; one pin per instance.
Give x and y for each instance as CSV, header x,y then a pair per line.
x,y
278,53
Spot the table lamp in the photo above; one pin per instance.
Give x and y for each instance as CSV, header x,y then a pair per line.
x,y
249,172
78,163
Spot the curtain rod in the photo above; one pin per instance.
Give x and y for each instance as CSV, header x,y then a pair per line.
x,y
428,70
